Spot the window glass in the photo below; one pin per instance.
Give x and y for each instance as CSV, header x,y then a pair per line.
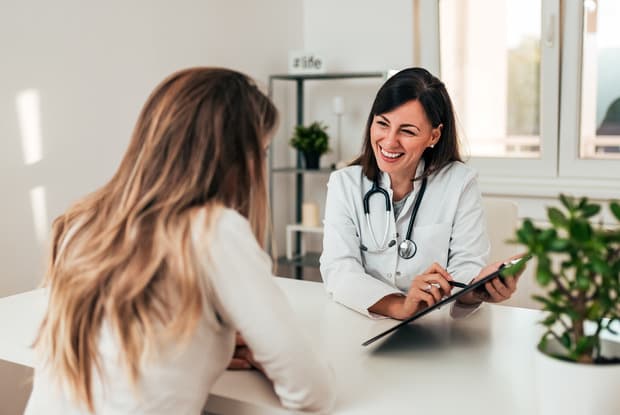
x,y
600,80
490,61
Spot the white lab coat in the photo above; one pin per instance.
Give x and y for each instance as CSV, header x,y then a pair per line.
x,y
449,229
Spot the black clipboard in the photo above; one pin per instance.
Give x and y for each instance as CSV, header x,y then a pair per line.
x,y
521,261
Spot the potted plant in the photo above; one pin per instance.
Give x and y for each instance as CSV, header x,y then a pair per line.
x,y
578,267
312,141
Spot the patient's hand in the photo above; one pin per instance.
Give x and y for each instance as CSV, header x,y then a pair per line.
x,y
242,357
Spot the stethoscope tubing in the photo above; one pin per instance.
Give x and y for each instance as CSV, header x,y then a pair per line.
x,y
388,208
416,206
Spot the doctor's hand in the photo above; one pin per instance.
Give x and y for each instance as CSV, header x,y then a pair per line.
x,y
425,290
496,290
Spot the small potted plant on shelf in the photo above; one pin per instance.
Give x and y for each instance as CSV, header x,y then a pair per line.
x,y
312,141
577,369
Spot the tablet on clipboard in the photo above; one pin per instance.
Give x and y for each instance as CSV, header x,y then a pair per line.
x,y
471,287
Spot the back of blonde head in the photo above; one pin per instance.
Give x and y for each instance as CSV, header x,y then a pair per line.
x,y
124,253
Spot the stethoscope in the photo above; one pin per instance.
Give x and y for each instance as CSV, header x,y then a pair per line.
x,y
407,248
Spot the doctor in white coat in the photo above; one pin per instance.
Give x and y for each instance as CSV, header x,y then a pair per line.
x,y
405,220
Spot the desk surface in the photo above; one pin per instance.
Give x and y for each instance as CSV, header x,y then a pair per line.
x,y
479,365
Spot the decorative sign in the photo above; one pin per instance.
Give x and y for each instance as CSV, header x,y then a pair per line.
x,y
302,62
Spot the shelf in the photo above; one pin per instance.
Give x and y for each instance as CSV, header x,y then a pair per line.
x,y
298,227
310,259
342,75
294,233
323,170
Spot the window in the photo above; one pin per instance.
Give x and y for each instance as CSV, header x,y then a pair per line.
x,y
524,112
600,85
490,62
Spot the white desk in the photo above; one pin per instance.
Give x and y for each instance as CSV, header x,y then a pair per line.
x,y
479,365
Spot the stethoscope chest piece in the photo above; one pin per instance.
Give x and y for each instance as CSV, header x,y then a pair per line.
x,y
407,249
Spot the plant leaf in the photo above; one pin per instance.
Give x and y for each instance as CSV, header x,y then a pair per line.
x,y
583,282
557,218
584,345
512,270
550,320
580,230
559,245
566,341
600,266
590,210
567,201
615,209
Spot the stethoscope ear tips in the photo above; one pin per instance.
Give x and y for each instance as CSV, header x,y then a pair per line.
x,y
392,243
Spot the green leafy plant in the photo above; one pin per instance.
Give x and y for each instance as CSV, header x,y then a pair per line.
x,y
579,268
311,139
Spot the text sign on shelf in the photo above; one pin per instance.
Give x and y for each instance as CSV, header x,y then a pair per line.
x,y
303,62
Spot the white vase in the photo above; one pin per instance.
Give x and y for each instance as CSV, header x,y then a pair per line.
x,y
569,388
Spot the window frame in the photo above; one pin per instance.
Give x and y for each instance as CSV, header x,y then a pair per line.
x,y
570,164
559,169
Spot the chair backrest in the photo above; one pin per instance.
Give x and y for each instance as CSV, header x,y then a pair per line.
x,y
502,221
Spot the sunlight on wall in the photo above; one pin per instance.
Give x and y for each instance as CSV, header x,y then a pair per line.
x,y
39,213
29,116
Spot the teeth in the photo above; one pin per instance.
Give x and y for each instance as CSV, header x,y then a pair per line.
x,y
390,155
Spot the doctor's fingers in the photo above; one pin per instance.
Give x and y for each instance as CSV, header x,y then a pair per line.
x,y
511,283
438,281
438,269
494,295
415,297
427,282
431,286
423,288
502,287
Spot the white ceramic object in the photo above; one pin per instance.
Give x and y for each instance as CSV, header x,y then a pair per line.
x,y
568,388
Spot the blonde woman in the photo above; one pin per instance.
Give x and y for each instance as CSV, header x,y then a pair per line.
x,y
150,276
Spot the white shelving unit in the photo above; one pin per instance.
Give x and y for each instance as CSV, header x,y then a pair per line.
x,y
295,256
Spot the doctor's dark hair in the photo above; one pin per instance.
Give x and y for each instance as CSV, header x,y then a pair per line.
x,y
132,253
409,85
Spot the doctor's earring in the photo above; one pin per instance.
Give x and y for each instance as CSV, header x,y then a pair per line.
x,y
431,146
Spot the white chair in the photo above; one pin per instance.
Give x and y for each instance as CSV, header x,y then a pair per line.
x,y
502,220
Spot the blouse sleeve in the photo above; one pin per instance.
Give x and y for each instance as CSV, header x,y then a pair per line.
x,y
240,274
341,261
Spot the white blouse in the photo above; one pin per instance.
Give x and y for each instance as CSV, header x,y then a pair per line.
x,y
179,379
449,229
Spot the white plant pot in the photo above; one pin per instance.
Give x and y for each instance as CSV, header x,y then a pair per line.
x,y
568,388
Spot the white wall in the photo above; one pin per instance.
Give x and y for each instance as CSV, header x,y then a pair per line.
x,y
352,36
93,64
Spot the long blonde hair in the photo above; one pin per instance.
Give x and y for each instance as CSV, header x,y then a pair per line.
x,y
123,252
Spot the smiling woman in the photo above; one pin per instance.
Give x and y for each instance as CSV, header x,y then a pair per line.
x,y
436,234
398,140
